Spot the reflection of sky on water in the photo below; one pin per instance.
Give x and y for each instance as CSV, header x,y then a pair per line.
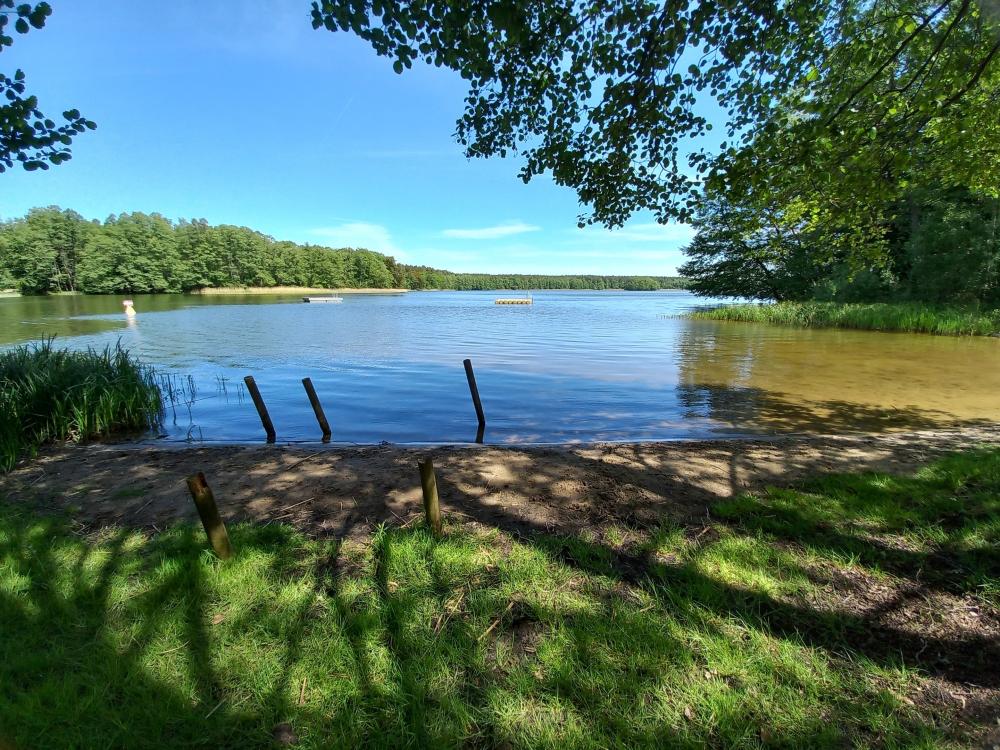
x,y
575,366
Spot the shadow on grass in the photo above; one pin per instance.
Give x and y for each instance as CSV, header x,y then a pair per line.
x,y
110,643
472,639
938,531
940,527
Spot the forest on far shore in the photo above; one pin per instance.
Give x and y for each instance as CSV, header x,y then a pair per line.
x,y
56,250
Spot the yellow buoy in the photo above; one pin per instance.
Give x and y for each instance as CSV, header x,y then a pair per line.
x,y
129,309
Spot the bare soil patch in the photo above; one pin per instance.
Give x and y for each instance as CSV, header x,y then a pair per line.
x,y
345,492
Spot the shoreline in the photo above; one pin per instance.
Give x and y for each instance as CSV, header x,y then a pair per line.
x,y
881,317
208,291
348,491
221,291
295,290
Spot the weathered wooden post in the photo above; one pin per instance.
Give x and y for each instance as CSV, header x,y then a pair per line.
x,y
204,501
317,408
432,504
258,401
475,399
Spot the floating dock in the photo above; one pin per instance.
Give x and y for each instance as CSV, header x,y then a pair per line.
x,y
322,299
514,301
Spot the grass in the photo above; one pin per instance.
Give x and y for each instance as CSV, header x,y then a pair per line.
x,y
907,318
681,638
48,394
941,526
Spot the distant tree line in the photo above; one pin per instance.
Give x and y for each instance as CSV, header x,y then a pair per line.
x,y
56,250
422,277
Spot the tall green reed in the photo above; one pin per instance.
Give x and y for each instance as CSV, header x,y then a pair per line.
x,y
49,394
905,317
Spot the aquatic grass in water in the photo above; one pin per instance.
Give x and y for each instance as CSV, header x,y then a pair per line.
x,y
49,394
907,318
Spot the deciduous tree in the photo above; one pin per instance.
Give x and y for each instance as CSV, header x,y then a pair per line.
x,y
613,97
27,136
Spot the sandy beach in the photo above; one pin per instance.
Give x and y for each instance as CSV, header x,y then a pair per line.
x,y
291,290
345,492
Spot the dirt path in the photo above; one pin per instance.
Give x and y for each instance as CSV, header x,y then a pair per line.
x,y
345,491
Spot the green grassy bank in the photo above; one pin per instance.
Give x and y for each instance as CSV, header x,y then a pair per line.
x,y
909,318
48,394
728,636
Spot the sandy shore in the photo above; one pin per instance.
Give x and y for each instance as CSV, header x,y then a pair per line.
x,y
346,491
292,290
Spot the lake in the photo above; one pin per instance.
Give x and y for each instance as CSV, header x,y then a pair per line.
x,y
572,367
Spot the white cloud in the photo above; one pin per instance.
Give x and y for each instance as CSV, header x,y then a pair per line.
x,y
359,234
491,233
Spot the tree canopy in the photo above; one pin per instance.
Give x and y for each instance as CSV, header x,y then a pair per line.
x,y
27,136
941,245
614,98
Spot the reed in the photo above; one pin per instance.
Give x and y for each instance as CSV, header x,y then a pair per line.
x,y
49,394
903,317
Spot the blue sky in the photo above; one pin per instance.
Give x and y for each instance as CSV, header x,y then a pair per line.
x,y
236,111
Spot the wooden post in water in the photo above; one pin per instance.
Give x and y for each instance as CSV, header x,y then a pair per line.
x,y
204,501
258,401
317,408
475,399
432,504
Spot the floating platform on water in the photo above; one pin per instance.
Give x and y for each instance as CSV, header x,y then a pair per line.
x,y
323,299
514,301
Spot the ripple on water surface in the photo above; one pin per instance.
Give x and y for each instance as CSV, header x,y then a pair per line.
x,y
574,366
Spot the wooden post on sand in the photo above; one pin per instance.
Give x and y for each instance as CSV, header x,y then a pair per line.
x,y
204,501
432,504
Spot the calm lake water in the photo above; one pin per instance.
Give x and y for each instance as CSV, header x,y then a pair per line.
x,y
574,366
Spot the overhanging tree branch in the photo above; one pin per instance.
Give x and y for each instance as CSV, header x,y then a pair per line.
x,y
886,63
